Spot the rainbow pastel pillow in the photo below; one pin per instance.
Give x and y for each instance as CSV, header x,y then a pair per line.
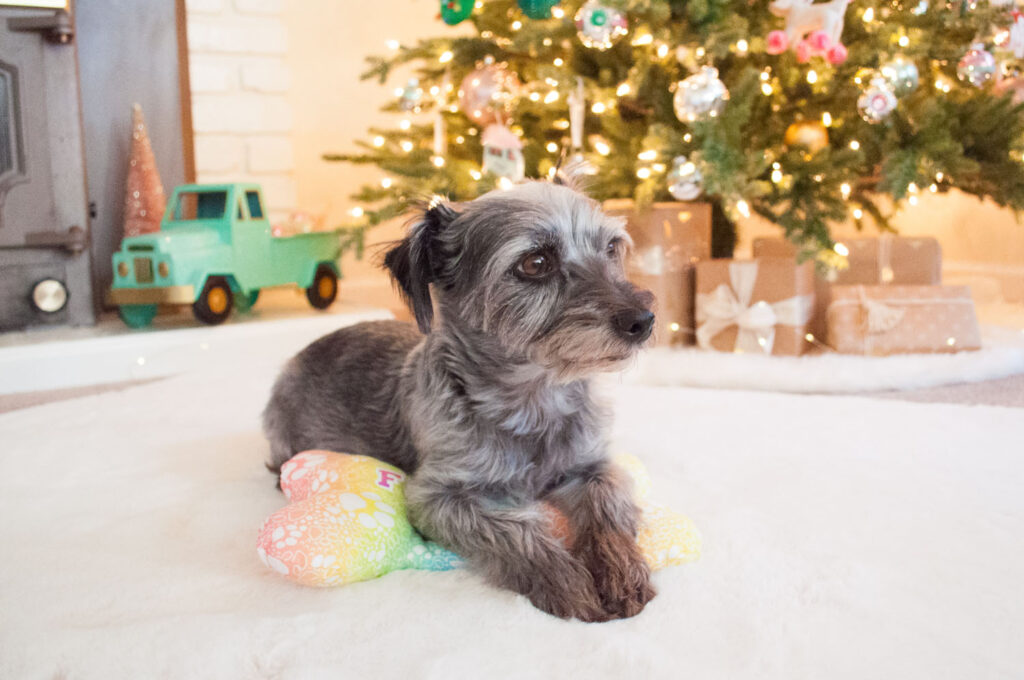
x,y
346,522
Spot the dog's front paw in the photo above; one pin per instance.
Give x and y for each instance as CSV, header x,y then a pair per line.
x,y
621,575
566,590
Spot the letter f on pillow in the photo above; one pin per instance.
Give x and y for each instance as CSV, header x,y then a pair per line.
x,y
388,478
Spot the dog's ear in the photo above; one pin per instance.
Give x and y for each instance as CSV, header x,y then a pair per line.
x,y
573,174
415,261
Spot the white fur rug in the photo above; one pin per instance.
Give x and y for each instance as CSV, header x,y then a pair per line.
x,y
843,538
828,373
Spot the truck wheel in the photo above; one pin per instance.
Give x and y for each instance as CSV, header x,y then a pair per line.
x,y
215,302
324,289
137,316
245,301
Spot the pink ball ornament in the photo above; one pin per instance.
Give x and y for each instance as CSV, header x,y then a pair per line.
x,y
776,42
977,66
836,54
819,41
803,52
487,92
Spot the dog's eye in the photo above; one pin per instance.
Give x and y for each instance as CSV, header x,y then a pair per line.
x,y
612,249
536,265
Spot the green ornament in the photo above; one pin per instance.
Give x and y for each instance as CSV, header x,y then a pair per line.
x,y
537,9
455,11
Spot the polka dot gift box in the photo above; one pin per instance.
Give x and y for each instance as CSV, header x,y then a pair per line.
x,y
881,320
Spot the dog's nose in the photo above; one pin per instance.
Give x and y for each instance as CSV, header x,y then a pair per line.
x,y
634,324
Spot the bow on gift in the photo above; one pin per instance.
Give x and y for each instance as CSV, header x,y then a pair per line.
x,y
729,306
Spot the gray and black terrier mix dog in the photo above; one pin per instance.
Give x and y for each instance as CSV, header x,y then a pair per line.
x,y
489,408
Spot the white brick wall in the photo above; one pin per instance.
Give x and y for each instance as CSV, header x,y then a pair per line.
x,y
241,115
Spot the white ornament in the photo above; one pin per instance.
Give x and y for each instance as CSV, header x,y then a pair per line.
x,y
599,26
701,96
684,179
503,153
1016,43
577,113
977,66
877,101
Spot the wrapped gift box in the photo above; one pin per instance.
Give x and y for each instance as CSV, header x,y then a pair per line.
x,y
668,239
759,306
895,260
886,259
780,247
881,320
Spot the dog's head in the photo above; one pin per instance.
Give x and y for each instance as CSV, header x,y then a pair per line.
x,y
538,269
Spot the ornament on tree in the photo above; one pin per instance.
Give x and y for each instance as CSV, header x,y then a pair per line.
x,y
455,11
503,153
537,9
684,179
877,101
412,96
440,146
487,92
811,29
977,66
701,96
901,74
577,115
144,199
600,26
440,141
807,134
1016,40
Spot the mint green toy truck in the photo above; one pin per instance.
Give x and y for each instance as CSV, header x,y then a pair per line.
x,y
215,251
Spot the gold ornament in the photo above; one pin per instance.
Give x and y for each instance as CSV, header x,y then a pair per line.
x,y
807,134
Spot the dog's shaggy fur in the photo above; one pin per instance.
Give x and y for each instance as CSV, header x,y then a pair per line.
x,y
489,408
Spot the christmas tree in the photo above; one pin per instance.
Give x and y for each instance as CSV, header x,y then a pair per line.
x,y
807,115
144,199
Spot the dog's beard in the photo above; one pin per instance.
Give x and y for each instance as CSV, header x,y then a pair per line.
x,y
572,354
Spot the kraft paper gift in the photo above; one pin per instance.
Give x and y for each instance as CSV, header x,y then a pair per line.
x,y
881,320
757,306
668,239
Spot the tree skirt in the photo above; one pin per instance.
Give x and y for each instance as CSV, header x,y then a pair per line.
x,y
843,538
828,372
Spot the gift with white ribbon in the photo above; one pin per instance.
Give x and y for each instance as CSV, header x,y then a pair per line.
x,y
732,304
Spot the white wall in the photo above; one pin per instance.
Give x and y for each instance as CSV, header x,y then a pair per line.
x,y
241,111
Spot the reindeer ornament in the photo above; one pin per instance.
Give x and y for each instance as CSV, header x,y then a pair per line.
x,y
811,29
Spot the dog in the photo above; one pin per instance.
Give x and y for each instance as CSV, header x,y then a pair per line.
x,y
489,406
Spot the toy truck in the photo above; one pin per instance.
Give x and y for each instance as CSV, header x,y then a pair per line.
x,y
215,251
